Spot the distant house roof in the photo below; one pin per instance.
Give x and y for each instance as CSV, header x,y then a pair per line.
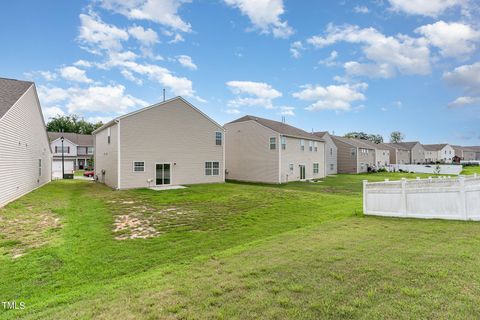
x,y
320,134
78,139
434,147
400,146
468,149
10,91
280,127
358,143
473,148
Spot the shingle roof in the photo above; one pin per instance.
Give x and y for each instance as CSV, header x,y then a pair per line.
x,y
358,143
78,139
280,127
434,147
398,146
474,148
10,91
471,149
320,134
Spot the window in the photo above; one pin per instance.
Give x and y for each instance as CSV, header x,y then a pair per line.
x,y
59,149
331,151
310,145
218,138
315,168
315,146
290,166
89,150
284,143
332,166
138,166
212,168
273,143
109,132
353,152
39,167
302,145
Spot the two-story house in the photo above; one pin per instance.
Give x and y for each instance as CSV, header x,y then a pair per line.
x,y
399,153
439,153
354,155
263,150
77,152
465,153
330,152
168,143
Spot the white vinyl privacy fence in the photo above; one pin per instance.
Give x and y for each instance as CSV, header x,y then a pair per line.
x,y
455,198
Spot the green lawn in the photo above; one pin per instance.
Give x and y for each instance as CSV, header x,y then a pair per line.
x,y
301,250
471,170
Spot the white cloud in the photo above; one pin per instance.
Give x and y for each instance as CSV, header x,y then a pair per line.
x,y
397,54
147,37
95,34
296,49
287,111
82,63
187,62
466,77
361,9
48,75
463,101
129,76
97,99
431,8
330,61
251,93
264,15
333,97
453,39
163,12
382,70
232,111
74,74
50,112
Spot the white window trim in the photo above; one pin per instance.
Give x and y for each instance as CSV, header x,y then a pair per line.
x,y
270,143
133,166
205,171
221,138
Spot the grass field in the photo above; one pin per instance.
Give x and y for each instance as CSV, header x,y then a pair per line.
x,y
76,249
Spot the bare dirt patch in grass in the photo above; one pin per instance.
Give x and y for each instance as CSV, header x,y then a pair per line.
x,y
25,229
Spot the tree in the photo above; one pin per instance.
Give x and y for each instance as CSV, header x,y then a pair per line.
x,y
396,136
376,138
72,123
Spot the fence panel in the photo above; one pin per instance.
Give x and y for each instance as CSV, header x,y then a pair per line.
x,y
440,198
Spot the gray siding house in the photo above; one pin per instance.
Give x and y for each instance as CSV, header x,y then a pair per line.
x,y
77,151
465,153
330,152
25,155
354,155
399,153
169,143
263,150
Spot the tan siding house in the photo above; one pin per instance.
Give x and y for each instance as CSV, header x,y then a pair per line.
x,y
25,155
170,143
439,152
330,153
262,150
354,155
465,153
399,154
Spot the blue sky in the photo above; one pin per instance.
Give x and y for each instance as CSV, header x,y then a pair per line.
x,y
373,66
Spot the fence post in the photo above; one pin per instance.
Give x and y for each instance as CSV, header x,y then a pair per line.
x,y
404,197
365,196
463,198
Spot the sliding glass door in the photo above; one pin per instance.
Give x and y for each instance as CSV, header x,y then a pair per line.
x,y
162,174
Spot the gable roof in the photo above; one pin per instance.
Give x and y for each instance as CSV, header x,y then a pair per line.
x,y
280,127
76,138
472,148
10,91
357,143
408,145
113,121
435,147
398,145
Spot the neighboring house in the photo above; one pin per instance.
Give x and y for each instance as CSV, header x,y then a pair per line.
x,y
439,153
476,149
77,151
25,155
354,155
465,153
330,152
399,153
169,143
417,151
262,150
382,153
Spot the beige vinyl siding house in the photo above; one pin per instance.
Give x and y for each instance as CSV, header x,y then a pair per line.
x,y
170,143
330,152
354,155
399,153
25,155
262,150
465,153
78,149
439,152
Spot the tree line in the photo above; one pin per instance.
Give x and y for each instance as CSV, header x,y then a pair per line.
x,y
72,123
395,136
